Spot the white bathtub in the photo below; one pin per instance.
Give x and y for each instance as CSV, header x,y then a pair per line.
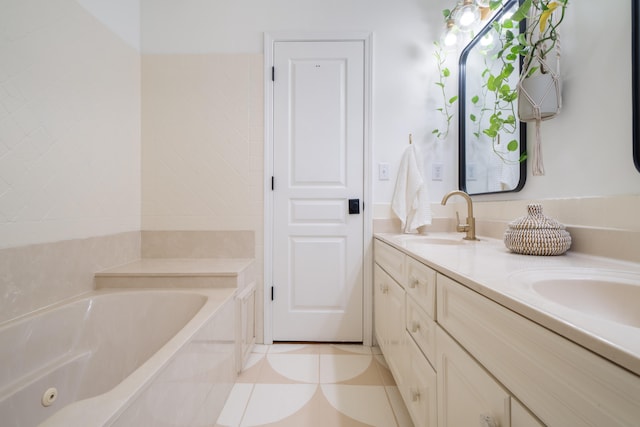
x,y
120,358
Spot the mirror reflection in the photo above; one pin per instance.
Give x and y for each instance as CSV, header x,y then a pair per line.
x,y
492,139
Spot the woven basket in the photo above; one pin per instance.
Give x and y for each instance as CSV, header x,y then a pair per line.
x,y
537,234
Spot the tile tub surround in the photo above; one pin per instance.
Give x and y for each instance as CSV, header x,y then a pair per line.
x,y
211,244
179,273
198,244
292,385
36,276
488,268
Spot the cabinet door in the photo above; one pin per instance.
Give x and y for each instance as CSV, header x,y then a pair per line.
x,y
397,349
380,289
466,392
520,417
420,389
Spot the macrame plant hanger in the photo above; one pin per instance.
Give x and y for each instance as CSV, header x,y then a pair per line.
x,y
541,105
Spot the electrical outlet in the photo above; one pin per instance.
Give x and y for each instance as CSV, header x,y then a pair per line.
x,y
471,172
383,171
437,171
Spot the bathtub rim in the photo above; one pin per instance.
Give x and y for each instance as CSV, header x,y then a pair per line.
x,y
103,409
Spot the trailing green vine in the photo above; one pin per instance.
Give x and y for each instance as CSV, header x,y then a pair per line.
x,y
541,36
447,105
498,92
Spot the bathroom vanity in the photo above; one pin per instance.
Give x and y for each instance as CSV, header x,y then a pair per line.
x,y
476,335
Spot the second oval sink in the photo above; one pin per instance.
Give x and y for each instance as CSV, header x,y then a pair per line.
x,y
609,295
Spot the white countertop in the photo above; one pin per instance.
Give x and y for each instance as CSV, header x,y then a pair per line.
x,y
489,268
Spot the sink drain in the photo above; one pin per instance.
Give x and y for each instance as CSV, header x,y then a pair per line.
x,y
49,396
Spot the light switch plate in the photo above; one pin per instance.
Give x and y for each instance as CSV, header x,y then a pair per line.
x,y
383,171
437,171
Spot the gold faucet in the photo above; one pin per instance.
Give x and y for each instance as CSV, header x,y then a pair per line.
x,y
470,226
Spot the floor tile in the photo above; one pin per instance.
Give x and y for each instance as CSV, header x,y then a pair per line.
x,y
302,368
270,403
235,406
367,404
383,370
253,368
344,349
318,412
335,368
397,405
292,348
315,385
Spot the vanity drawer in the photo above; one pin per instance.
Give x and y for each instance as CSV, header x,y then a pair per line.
x,y
421,285
391,260
562,383
422,328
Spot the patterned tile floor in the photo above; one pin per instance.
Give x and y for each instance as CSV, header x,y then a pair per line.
x,y
315,385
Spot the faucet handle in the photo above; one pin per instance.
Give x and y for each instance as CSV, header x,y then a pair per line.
x,y
460,227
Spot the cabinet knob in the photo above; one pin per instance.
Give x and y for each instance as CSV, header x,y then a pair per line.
x,y
414,282
415,395
384,288
415,326
487,421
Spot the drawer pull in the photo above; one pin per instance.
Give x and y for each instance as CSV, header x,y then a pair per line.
x,y
487,421
414,282
415,327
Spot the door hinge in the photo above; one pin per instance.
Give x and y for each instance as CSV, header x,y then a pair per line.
x,y
272,293
273,183
273,74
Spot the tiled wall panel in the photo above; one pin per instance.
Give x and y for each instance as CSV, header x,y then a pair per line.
x,y
69,125
35,276
202,142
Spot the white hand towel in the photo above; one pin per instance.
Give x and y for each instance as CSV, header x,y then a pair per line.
x,y
410,202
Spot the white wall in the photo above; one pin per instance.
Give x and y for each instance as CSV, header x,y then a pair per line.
x,y
122,17
587,149
403,75
69,123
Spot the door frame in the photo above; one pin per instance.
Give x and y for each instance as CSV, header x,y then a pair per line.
x,y
270,39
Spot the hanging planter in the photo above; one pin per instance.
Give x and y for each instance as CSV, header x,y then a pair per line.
x,y
539,96
539,86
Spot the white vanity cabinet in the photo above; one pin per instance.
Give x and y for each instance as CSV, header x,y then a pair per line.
x,y
405,328
466,360
560,382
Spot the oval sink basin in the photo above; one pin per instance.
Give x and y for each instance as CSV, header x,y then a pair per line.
x,y
438,241
433,240
610,295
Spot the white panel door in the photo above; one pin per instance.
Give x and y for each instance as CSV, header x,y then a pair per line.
x,y
318,166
